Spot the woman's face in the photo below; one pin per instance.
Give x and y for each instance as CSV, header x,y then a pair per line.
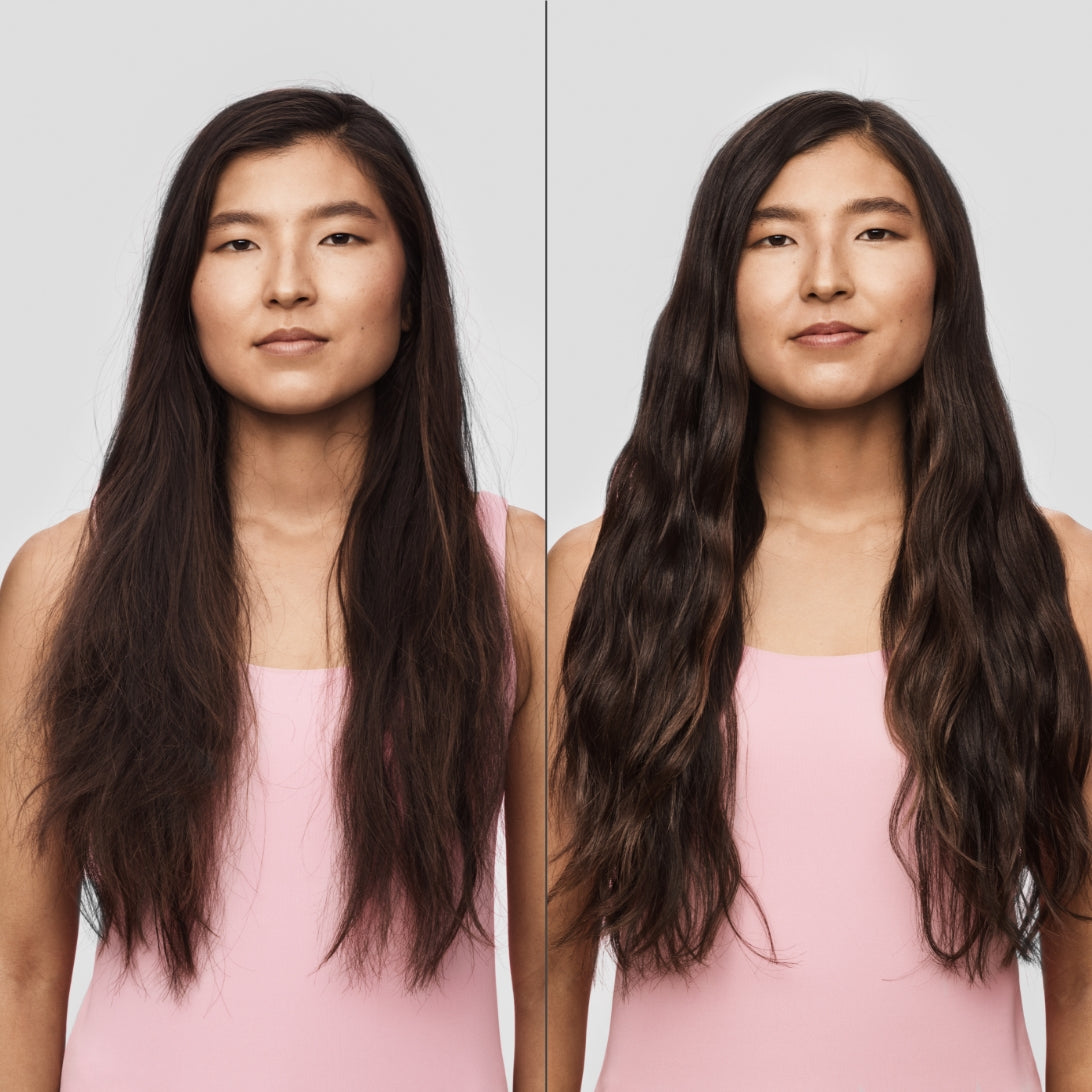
x,y
834,298
297,297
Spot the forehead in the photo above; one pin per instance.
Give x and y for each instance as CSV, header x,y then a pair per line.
x,y
827,178
311,172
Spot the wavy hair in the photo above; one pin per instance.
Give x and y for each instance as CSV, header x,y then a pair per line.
x,y
143,696
988,693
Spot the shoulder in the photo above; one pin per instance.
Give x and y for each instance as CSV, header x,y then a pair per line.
x,y
572,553
567,564
1075,543
525,539
525,563
31,589
39,571
1070,534
525,549
524,555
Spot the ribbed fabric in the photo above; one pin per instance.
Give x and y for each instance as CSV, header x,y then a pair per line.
x,y
856,1003
266,1014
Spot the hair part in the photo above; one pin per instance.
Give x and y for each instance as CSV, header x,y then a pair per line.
x,y
988,692
143,696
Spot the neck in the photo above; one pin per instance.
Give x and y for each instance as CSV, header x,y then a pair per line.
x,y
301,470
837,470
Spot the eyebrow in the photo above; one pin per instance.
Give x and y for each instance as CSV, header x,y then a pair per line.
x,y
231,217
865,205
862,206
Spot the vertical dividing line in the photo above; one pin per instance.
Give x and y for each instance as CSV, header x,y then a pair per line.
x,y
546,515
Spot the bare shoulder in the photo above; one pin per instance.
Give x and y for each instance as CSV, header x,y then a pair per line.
x,y
36,577
1074,539
525,569
1076,545
525,545
42,565
1075,542
565,569
31,588
40,906
572,553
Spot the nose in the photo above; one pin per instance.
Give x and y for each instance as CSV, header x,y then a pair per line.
x,y
289,280
826,274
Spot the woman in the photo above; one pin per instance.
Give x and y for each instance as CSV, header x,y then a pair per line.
x,y
266,698
823,715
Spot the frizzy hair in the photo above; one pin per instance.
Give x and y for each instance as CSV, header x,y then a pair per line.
x,y
988,691
143,697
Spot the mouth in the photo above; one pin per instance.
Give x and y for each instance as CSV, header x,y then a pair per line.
x,y
822,335
295,341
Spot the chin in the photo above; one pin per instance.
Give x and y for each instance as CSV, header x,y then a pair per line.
x,y
839,400
296,402
845,393
297,407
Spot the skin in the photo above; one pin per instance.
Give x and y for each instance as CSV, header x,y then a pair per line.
x,y
571,967
38,908
279,255
525,799
829,469
810,256
829,455
1067,944
299,422
299,427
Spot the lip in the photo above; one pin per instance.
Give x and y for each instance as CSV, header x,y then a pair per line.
x,y
293,341
824,335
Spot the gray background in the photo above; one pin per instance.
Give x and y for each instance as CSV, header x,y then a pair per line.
x,y
642,94
100,101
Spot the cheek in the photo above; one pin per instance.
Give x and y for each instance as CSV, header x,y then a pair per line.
x,y
378,299
759,303
914,300
210,304
918,289
366,283
384,302
219,317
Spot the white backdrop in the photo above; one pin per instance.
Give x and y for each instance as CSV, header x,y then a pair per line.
x,y
641,94
100,101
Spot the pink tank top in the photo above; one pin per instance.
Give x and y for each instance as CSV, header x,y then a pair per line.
x,y
265,1013
857,1004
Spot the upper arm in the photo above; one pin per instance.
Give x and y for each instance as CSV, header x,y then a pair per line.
x,y
572,965
39,910
1067,940
525,787
1075,543
525,586
565,569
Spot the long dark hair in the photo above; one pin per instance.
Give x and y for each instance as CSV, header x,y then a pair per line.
x,y
143,691
988,691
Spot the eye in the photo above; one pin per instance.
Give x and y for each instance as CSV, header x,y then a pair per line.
x,y
774,241
876,235
237,246
341,238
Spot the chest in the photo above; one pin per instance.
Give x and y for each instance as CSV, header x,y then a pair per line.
x,y
818,594
293,609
